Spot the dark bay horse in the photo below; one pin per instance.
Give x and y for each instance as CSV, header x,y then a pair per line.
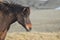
x,y
9,13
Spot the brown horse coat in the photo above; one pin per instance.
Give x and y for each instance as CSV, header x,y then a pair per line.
x,y
9,13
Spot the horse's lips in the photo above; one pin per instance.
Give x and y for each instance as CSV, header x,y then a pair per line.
x,y
28,27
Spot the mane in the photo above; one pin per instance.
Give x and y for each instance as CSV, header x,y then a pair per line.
x,y
13,7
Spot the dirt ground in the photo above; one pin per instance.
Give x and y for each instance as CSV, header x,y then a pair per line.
x,y
33,36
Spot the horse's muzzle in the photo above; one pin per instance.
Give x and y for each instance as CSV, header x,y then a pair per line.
x,y
28,27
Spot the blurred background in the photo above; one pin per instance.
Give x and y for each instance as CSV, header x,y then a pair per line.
x,y
38,4
45,15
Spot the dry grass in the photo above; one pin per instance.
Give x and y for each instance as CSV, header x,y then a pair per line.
x,y
32,36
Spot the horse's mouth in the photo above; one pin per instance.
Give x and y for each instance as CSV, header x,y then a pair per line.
x,y
28,27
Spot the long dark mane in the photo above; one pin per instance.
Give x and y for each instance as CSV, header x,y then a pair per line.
x,y
11,7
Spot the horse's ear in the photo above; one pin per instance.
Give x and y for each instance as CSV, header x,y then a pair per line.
x,y
24,9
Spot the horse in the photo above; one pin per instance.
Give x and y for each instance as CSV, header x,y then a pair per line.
x,y
10,13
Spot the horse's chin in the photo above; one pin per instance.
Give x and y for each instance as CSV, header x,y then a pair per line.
x,y
28,30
